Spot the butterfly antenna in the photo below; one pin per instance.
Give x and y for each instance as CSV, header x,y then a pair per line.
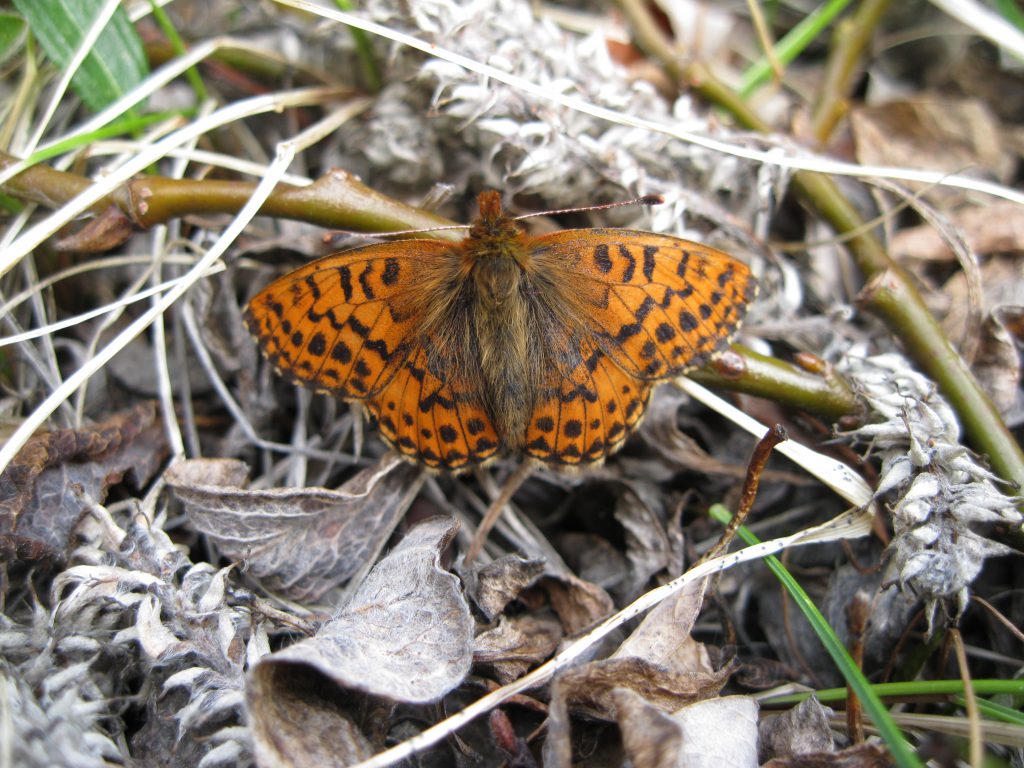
x,y
334,235
645,200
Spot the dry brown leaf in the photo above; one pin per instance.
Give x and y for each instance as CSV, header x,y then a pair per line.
x,y
650,738
591,686
663,637
995,361
680,451
578,603
661,429
757,673
993,228
660,661
640,511
712,733
997,364
804,729
869,755
406,635
934,133
516,644
592,557
299,542
494,585
58,475
301,723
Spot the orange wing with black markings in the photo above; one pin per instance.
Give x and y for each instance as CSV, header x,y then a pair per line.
x,y
503,342
350,324
345,323
657,305
584,415
441,424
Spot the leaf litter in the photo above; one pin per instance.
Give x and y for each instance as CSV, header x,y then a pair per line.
x,y
289,625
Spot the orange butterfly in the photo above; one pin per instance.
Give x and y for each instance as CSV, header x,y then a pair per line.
x,y
503,343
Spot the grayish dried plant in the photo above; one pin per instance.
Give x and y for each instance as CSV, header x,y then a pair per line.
x,y
946,499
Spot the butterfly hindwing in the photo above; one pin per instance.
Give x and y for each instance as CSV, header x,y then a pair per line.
x,y
657,305
441,424
584,414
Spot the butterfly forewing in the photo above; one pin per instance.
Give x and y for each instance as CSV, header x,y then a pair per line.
x,y
657,305
352,324
344,323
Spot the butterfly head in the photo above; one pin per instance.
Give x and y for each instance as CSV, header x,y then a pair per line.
x,y
494,233
495,253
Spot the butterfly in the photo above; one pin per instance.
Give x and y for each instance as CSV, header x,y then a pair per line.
x,y
503,343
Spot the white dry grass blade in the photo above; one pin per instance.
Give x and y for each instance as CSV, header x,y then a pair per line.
x,y
836,475
850,525
158,246
793,158
156,80
200,157
986,24
239,110
286,152
114,306
110,262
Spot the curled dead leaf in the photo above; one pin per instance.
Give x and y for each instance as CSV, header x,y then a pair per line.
x,y
650,738
711,733
516,644
578,603
406,636
494,585
57,476
591,686
299,542
802,730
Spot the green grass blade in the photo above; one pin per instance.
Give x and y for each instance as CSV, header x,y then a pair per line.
x,y
793,44
178,45
912,688
12,32
115,65
872,704
1011,11
363,49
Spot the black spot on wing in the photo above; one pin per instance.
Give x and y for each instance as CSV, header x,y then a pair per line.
x,y
391,272
345,278
649,251
630,264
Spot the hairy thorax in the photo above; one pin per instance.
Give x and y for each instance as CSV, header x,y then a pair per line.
x,y
502,324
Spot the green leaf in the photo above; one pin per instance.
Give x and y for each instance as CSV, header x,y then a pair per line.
x,y
12,31
116,63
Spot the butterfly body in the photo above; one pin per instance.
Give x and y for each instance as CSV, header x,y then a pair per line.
x,y
504,343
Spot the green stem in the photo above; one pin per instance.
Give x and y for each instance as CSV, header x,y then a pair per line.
x,y
824,393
